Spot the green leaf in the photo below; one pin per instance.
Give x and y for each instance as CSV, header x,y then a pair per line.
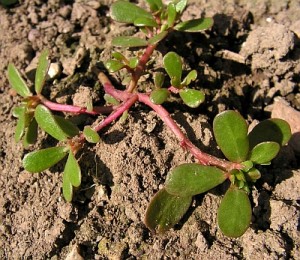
x,y
173,66
126,12
157,38
128,41
171,14
56,126
31,133
110,100
72,170
234,213
41,71
270,130
196,25
180,6
230,131
190,179
66,126
91,135
192,76
17,82
67,188
165,210
145,21
253,174
41,160
18,111
247,165
119,56
264,152
20,128
133,62
159,96
155,5
113,65
192,97
159,79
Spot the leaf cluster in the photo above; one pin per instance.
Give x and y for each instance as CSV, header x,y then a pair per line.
x,y
32,114
258,147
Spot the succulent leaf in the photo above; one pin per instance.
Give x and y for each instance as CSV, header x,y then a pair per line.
x,y
41,160
41,71
196,25
171,14
272,130
31,133
234,213
173,66
165,210
17,82
126,12
72,170
145,21
264,152
192,97
20,128
56,126
189,78
155,5
230,131
91,135
192,178
159,96
158,37
67,188
113,65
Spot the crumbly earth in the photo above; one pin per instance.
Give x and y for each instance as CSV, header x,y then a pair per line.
x,y
249,57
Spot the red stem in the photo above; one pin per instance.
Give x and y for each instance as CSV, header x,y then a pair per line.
x,y
137,73
75,109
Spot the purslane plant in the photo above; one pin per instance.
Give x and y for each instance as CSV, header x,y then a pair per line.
x,y
243,150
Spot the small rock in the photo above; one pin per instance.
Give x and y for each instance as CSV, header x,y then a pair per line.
x,y
282,109
74,254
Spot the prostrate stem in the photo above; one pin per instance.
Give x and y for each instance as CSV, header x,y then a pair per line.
x,y
129,99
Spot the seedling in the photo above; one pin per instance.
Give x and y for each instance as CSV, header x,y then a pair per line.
x,y
243,150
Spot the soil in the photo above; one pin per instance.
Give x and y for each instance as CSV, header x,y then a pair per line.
x,y
246,62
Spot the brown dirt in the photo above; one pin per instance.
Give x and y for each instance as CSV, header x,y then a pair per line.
x,y
122,172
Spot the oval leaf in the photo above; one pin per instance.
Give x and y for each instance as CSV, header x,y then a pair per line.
x,y
173,66
41,71
165,210
234,213
191,178
192,97
126,12
273,130
171,14
41,160
195,25
189,78
264,152
128,41
159,79
31,133
230,131
91,135
180,6
67,188
56,126
17,82
113,65
72,170
145,21
159,96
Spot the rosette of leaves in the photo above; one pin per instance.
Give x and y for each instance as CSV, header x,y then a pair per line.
x,y
156,22
32,114
27,127
258,147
